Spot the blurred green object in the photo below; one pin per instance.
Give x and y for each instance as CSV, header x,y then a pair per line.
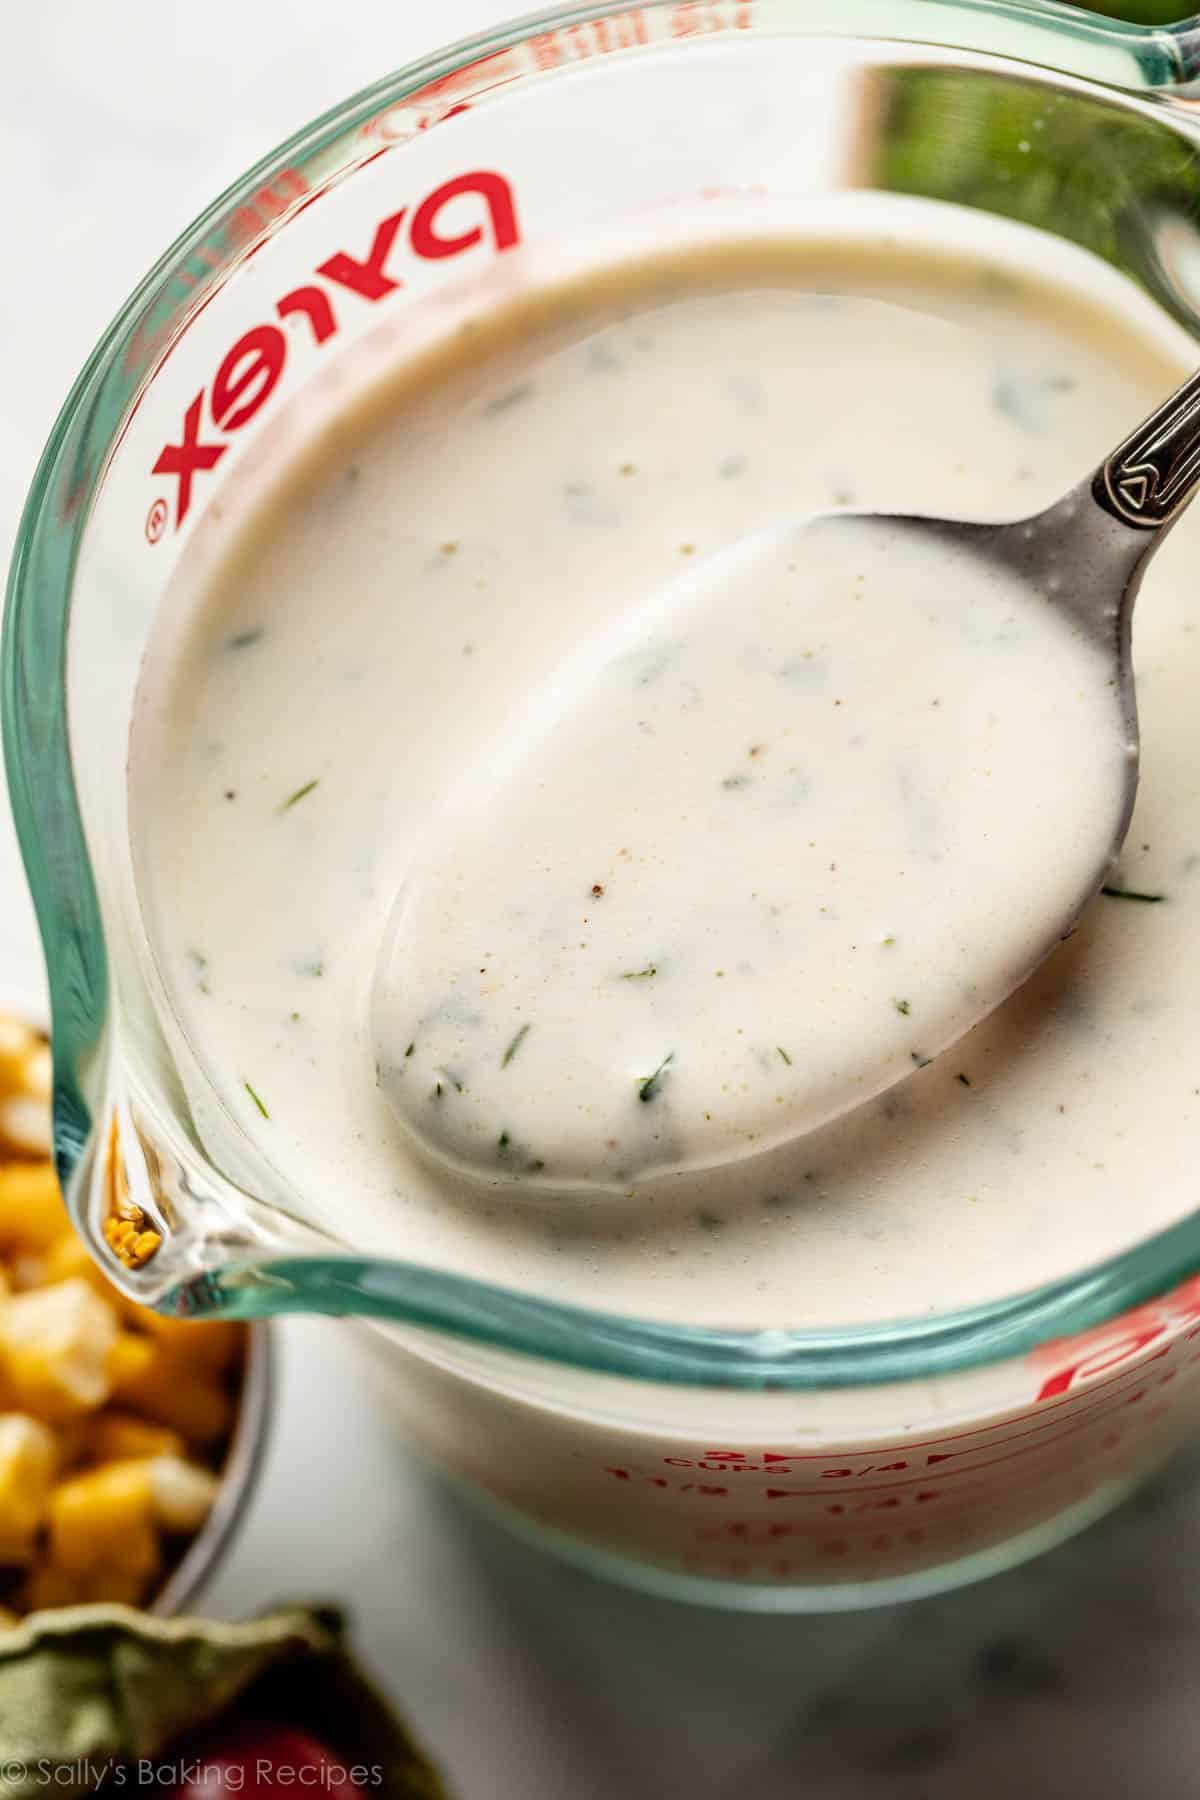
x,y
90,1692
1120,182
1139,12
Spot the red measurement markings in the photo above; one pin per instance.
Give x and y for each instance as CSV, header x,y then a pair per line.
x,y
1097,1396
595,37
937,1534
694,17
829,1549
939,1527
249,221
947,1511
443,99
707,1489
1047,1443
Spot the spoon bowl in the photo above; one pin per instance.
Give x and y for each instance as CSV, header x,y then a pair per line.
x,y
925,777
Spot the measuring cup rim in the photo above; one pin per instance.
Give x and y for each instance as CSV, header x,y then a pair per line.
x,y
1157,63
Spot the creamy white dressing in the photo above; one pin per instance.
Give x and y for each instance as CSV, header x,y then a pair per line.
x,y
332,796
770,840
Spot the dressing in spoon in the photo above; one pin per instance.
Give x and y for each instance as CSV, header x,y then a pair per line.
x,y
781,834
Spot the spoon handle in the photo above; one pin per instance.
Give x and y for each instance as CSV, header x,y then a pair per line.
x,y
1151,477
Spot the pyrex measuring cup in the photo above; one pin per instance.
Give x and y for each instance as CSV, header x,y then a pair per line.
x,y
778,1468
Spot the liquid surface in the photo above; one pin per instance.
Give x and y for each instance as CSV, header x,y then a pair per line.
x,y
414,589
765,844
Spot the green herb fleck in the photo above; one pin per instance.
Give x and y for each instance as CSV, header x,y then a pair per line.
x,y
965,1079
452,1078
256,1099
511,397
242,640
649,1085
904,1006
300,794
199,963
503,1141
515,1045
782,1052
922,1062
1115,893
735,781
295,1018
536,1166
410,1049
438,1091
888,942
640,974
1009,398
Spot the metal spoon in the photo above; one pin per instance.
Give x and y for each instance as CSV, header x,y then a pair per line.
x,y
1091,548
851,946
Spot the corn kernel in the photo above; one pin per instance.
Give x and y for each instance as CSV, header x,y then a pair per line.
x,y
56,1344
130,1359
68,1257
103,1521
130,1240
212,1344
28,1464
183,1493
32,1213
122,1437
37,1074
25,1125
72,1437
86,1490
16,1044
26,1269
161,1381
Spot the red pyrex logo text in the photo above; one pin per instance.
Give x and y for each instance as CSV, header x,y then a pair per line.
x,y
249,372
1074,1361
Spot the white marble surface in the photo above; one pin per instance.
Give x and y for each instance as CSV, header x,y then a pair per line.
x,y
1079,1675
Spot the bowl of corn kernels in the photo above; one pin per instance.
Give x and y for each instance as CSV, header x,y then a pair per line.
x,y
129,1442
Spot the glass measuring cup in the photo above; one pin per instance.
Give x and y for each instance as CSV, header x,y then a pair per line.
x,y
779,1468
